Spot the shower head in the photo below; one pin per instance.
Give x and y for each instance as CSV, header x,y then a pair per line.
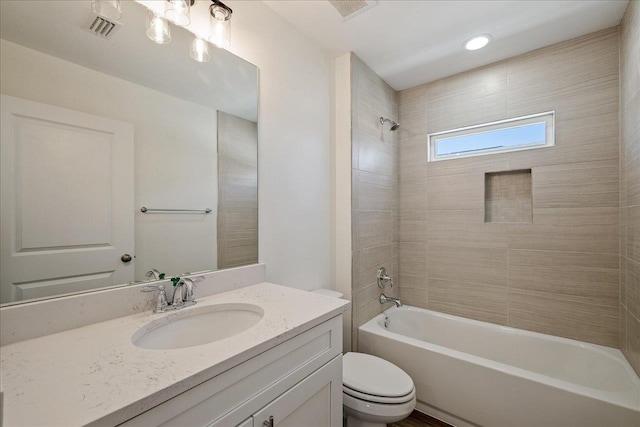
x,y
394,125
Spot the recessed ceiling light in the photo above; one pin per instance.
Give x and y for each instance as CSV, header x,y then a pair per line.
x,y
477,42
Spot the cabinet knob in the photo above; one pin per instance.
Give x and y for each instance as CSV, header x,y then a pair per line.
x,y
269,422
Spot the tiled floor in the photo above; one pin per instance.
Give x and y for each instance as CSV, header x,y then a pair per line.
x,y
418,419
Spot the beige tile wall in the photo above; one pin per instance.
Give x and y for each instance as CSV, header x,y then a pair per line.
x,y
558,275
237,191
630,184
374,191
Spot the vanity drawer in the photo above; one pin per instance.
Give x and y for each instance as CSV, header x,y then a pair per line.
x,y
250,385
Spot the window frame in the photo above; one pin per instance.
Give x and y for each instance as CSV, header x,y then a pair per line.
x,y
547,117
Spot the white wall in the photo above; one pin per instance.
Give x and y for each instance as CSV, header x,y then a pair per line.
x,y
175,152
296,83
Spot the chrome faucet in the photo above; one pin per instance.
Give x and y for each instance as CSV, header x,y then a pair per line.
x,y
187,294
153,273
178,295
385,299
182,295
383,279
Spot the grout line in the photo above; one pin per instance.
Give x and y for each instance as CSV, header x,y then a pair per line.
x,y
568,252
508,290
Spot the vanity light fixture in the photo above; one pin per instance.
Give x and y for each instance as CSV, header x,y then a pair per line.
x,y
179,11
158,28
200,50
477,42
220,24
109,9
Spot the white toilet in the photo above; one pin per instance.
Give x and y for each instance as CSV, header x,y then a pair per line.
x,y
375,392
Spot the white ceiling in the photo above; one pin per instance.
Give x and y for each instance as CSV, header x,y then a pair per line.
x,y
408,43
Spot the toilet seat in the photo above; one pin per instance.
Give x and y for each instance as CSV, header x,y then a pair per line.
x,y
376,380
379,399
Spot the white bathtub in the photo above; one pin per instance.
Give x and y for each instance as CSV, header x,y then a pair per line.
x,y
472,373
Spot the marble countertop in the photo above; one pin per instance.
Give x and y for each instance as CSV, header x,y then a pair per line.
x,y
95,375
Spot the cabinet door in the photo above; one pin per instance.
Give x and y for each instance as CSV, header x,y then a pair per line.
x,y
246,423
314,402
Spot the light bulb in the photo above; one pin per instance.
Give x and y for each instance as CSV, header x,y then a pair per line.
x,y
178,11
220,25
158,28
477,42
200,50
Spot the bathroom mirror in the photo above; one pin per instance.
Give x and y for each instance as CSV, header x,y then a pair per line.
x,y
100,123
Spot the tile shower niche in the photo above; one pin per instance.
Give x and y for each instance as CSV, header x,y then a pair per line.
x,y
507,197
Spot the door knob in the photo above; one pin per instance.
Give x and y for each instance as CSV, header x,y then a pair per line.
x,y
126,258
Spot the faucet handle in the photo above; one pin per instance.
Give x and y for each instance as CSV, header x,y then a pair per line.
x,y
190,285
383,278
161,302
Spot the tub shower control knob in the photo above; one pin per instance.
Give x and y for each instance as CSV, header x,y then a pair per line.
x,y
383,278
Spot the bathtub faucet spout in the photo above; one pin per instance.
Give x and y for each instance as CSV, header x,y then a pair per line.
x,y
385,299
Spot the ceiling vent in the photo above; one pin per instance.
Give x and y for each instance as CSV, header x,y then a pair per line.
x,y
351,8
101,26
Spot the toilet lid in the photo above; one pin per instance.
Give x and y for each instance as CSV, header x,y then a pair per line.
x,y
379,399
374,376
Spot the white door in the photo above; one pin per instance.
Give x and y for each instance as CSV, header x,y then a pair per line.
x,y
66,200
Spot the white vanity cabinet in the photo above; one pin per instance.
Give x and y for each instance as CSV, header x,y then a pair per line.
x,y
298,383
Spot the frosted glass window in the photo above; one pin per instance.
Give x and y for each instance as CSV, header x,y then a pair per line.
x,y
521,133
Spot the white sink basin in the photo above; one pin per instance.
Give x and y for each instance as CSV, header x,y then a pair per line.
x,y
197,326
